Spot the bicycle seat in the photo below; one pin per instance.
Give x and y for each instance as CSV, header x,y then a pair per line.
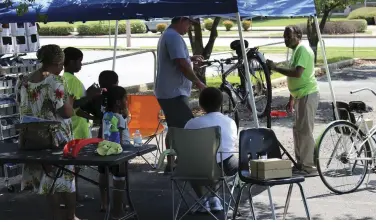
x,y
359,107
235,45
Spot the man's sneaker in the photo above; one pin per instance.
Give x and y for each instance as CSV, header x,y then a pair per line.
x,y
200,209
295,169
307,172
215,204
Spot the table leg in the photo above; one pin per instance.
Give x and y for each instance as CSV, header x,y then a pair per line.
x,y
133,212
108,191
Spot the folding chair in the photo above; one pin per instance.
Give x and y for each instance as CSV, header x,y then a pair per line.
x,y
146,115
196,151
252,144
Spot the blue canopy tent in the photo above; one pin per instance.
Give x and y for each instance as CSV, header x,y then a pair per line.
x,y
94,10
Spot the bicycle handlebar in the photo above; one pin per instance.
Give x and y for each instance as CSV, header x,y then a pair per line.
x,y
207,63
362,89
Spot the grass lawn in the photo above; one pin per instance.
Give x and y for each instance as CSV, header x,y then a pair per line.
x,y
255,23
333,54
216,81
285,21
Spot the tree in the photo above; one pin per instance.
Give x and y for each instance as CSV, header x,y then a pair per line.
x,y
324,9
197,45
22,7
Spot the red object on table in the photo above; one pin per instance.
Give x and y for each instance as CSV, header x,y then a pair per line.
x,y
278,113
73,147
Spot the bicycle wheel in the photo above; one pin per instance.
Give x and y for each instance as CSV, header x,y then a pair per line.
x,y
229,106
262,86
346,155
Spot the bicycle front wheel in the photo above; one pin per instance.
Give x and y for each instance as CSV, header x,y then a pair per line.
x,y
262,86
229,106
342,157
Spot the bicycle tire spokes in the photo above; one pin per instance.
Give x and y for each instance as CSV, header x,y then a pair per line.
x,y
343,168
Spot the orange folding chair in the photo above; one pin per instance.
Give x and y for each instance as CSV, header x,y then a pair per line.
x,y
146,115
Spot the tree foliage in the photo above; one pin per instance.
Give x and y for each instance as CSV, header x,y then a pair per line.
x,y
22,7
323,9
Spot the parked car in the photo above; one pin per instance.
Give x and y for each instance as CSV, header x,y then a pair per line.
x,y
151,25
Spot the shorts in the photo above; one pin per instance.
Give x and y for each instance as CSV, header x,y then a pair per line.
x,y
117,170
176,111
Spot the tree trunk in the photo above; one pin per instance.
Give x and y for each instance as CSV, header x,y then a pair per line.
x,y
312,36
195,38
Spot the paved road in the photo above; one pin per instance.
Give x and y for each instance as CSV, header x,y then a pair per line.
x,y
224,42
133,70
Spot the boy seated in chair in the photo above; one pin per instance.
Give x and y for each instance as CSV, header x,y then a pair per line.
x,y
211,100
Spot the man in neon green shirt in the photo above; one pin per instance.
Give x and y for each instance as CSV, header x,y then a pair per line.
x,y
75,89
304,97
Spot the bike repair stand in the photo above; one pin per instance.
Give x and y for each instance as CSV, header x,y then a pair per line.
x,y
284,151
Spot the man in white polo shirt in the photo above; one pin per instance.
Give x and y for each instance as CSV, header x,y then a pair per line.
x,y
210,101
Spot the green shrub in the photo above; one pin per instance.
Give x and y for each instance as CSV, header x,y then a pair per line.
x,y
228,25
161,27
103,29
341,27
63,30
138,26
208,24
246,25
367,13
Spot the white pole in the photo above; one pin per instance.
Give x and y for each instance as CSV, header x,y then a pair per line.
x,y
251,99
115,45
326,67
109,34
288,55
128,31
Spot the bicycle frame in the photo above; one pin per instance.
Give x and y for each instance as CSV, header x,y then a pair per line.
x,y
368,135
251,53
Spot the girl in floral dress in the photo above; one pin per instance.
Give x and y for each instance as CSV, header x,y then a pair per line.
x,y
42,95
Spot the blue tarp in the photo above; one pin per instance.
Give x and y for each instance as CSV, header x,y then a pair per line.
x,y
94,10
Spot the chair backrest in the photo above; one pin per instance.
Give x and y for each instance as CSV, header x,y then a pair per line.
x,y
344,112
255,142
144,112
196,151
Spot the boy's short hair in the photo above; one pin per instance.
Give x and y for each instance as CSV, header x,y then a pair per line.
x,y
211,99
108,78
72,54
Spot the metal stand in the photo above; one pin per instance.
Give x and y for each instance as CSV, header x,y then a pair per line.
x,y
284,152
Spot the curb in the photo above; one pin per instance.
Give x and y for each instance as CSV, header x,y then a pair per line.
x,y
224,37
276,83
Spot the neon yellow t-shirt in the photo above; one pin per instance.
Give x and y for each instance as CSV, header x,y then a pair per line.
x,y
74,87
307,84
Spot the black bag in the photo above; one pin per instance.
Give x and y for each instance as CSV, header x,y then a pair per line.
x,y
38,135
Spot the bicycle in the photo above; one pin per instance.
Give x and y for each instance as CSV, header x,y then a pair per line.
x,y
354,149
239,92
11,60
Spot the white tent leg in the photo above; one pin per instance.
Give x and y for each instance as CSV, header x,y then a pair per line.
x,y
115,45
251,98
109,33
128,31
326,67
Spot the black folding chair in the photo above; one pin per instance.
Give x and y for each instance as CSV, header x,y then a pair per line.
x,y
252,144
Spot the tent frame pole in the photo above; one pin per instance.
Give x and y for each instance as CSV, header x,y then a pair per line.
x,y
115,45
250,98
326,67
